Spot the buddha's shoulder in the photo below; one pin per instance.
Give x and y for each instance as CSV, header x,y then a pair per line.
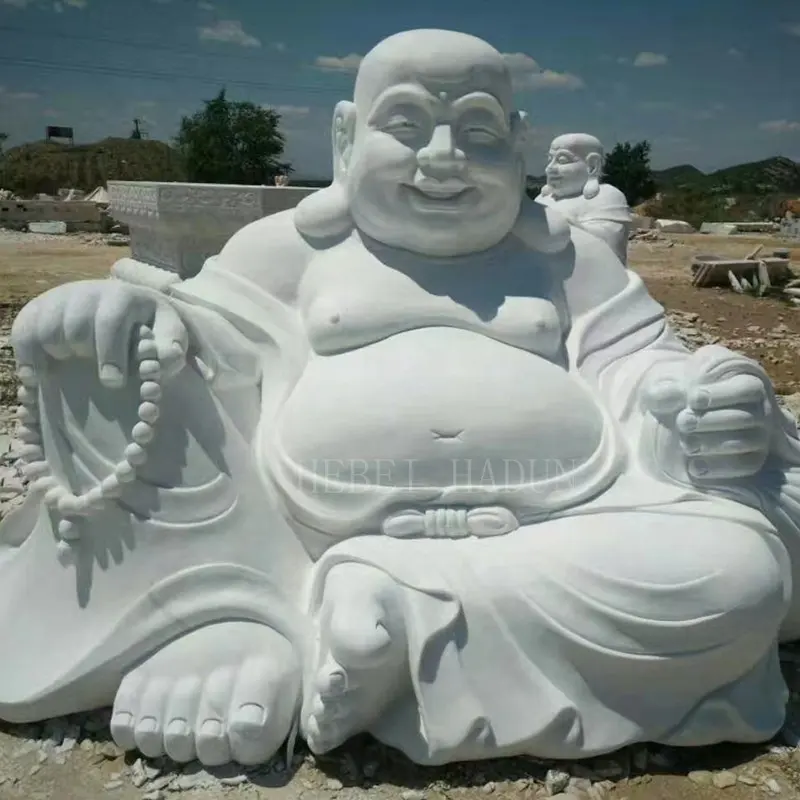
x,y
270,251
610,195
269,238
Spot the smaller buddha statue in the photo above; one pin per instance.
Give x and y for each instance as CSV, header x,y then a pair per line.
x,y
574,173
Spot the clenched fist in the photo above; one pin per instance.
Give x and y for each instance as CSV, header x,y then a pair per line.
x,y
97,320
719,405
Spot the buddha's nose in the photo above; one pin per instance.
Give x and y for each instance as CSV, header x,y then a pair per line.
x,y
440,158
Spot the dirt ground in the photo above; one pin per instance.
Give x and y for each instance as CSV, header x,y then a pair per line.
x,y
763,328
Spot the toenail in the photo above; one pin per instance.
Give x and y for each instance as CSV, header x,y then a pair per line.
x,y
123,719
178,727
147,725
313,726
251,714
212,728
337,682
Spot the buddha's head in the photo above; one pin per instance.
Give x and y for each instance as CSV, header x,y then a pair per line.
x,y
574,166
429,156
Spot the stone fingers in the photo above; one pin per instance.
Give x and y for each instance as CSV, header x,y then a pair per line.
x,y
171,338
736,390
726,467
119,313
726,442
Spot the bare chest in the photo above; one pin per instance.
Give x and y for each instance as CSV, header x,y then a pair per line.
x,y
351,297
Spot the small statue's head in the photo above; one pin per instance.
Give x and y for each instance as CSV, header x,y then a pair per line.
x,y
429,156
574,166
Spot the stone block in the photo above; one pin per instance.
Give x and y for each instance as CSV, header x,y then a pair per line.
x,y
177,226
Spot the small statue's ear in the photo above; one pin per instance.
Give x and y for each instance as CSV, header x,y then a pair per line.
x,y
344,126
520,127
595,163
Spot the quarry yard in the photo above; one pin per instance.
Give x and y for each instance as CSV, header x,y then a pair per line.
x,y
74,759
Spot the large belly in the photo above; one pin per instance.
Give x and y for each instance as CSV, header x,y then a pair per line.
x,y
438,407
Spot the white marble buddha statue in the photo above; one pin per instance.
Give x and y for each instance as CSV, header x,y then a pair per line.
x,y
574,173
415,458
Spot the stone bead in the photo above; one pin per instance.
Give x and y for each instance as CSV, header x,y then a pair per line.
x,y
150,391
27,415
147,350
135,454
142,433
148,412
125,472
67,529
150,370
27,396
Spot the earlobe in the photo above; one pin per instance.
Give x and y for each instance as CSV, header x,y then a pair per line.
x,y
591,188
343,133
520,127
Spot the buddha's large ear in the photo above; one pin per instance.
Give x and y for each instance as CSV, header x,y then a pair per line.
x,y
595,163
344,127
520,127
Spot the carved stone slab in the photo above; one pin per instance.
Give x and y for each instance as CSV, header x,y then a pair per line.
x,y
177,226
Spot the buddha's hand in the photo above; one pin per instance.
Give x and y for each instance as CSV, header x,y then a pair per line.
x,y
719,406
97,320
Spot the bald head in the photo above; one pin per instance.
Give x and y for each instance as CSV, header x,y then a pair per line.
x,y
581,144
439,59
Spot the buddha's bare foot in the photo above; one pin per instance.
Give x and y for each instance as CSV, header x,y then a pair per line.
x,y
361,665
225,692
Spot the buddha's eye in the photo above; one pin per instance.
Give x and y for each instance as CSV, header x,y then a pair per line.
x,y
400,126
563,160
476,134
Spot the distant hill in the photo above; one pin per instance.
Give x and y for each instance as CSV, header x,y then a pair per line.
x,y
675,177
48,166
773,175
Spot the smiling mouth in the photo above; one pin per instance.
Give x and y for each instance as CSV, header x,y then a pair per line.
x,y
438,192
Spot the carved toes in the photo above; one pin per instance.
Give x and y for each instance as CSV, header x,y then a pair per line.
x,y
237,711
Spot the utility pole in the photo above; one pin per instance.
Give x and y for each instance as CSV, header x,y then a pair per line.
x,y
137,132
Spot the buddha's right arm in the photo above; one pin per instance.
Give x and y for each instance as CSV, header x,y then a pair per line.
x,y
241,307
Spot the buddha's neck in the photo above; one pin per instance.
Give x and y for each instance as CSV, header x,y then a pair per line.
x,y
389,254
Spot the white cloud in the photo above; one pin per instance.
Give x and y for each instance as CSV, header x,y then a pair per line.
x,y
16,3
793,29
292,111
734,52
647,59
525,71
527,74
51,113
348,63
6,95
229,31
780,126
76,3
280,46
204,5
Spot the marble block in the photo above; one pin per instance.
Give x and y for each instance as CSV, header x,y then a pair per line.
x,y
176,226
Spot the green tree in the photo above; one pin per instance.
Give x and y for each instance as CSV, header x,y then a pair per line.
x,y
3,137
627,167
232,142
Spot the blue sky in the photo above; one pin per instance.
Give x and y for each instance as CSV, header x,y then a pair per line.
x,y
710,83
